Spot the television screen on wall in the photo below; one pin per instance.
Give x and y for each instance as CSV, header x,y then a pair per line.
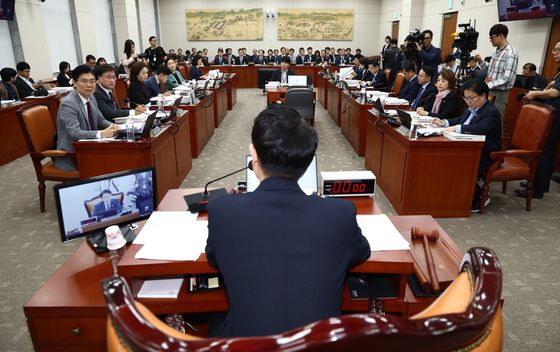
x,y
513,10
7,9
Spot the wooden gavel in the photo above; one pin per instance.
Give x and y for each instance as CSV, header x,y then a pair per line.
x,y
428,235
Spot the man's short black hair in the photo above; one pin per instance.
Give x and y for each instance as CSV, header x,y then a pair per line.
x,y
152,37
429,71
286,59
409,68
21,66
388,37
449,58
309,48
358,56
478,86
363,61
373,63
103,192
162,69
90,57
100,70
530,66
284,142
428,31
7,73
394,41
472,58
498,29
80,70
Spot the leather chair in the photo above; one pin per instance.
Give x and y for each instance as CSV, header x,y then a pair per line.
x,y
121,92
466,317
387,73
90,204
397,85
184,69
302,100
520,158
39,130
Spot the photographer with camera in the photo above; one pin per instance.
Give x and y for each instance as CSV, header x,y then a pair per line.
x,y
410,53
503,66
429,54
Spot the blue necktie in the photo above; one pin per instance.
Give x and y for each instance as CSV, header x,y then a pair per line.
x,y
417,99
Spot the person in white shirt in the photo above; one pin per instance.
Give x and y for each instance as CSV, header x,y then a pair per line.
x,y
130,56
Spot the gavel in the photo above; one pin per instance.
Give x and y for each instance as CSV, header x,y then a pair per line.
x,y
427,235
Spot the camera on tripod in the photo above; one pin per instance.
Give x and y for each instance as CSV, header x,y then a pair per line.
x,y
466,42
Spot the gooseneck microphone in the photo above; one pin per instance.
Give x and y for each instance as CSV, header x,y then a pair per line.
x,y
197,202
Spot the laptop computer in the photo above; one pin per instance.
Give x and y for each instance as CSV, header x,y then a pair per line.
x,y
145,133
405,118
307,182
390,119
173,113
297,81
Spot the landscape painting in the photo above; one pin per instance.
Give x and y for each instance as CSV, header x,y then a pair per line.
x,y
315,24
224,24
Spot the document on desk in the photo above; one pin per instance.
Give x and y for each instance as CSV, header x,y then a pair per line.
x,y
160,288
172,235
381,233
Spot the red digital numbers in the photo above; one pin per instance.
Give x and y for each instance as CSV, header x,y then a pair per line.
x,y
341,187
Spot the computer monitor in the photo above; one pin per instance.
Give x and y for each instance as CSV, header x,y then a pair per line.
x,y
297,81
307,182
87,207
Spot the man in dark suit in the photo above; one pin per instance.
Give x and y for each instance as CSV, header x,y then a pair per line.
x,y
427,92
474,70
377,79
154,82
300,59
79,118
348,57
260,59
282,74
229,58
25,85
481,118
410,86
106,78
242,58
283,255
107,203
309,57
219,58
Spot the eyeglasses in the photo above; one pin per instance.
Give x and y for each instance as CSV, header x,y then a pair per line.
x,y
471,99
422,75
427,38
556,50
492,36
87,81
110,77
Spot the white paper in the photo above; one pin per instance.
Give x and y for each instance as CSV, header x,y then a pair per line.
x,y
172,236
464,137
160,288
395,101
381,233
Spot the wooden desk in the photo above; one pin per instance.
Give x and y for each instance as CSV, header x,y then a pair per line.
x,y
69,313
231,84
201,121
169,152
321,84
353,120
333,101
220,104
432,175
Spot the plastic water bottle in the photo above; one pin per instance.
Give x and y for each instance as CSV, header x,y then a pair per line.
x,y
130,129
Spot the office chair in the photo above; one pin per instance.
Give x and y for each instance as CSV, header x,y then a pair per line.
x,y
397,85
302,100
466,317
39,130
520,158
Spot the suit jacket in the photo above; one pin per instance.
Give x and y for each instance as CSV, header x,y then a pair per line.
x,y
4,91
286,266
276,75
172,80
338,60
309,58
347,58
270,59
100,207
260,60
427,98
230,60
430,57
366,76
477,73
300,60
219,60
62,80
24,90
106,105
138,93
153,86
194,72
487,121
246,60
449,108
72,124
410,89
380,81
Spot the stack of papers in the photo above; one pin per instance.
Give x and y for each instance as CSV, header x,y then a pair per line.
x,y
160,288
60,89
454,136
353,83
172,235
272,85
429,131
395,101
381,233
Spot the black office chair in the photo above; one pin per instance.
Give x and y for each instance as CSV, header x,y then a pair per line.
x,y
303,101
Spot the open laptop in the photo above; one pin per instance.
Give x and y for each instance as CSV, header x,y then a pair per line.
x,y
297,81
145,133
173,113
405,118
307,182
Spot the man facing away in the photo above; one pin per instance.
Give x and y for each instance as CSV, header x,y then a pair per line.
x,y
283,255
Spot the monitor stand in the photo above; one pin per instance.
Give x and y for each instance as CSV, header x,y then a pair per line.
x,y
99,243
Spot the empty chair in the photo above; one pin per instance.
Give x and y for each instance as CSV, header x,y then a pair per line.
x,y
303,101
39,130
466,317
399,80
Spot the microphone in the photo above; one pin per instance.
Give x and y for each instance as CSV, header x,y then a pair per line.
x,y
197,202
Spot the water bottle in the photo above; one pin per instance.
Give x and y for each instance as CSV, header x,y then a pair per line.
x,y
130,129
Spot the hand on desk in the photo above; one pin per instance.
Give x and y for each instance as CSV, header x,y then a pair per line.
x,y
140,109
450,129
438,122
109,131
166,94
420,111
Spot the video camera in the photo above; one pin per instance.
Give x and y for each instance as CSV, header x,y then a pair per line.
x,y
465,41
416,36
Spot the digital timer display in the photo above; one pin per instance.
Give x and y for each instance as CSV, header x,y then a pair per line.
x,y
348,187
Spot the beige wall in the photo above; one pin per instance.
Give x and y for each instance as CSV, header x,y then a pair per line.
x,y
126,25
86,28
530,37
173,24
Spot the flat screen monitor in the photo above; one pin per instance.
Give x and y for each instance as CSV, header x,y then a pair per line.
x,y
297,81
307,182
513,10
87,207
